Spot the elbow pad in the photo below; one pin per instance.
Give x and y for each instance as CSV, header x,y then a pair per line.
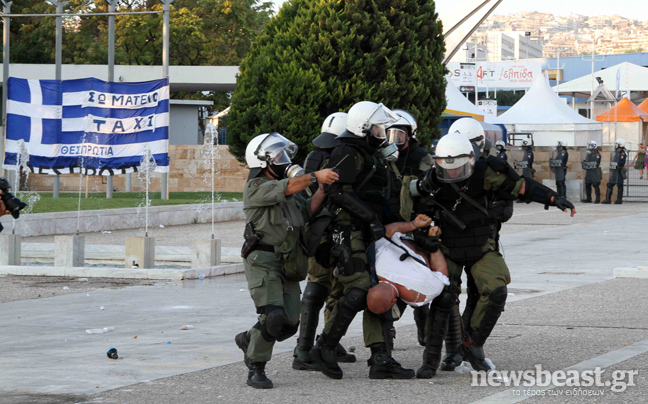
x,y
354,206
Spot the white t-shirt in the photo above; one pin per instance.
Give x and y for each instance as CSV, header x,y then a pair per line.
x,y
408,273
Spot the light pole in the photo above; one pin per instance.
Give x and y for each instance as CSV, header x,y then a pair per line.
x,y
559,71
5,78
593,59
165,73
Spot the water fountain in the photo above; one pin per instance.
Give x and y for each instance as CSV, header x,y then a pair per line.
x,y
207,252
140,251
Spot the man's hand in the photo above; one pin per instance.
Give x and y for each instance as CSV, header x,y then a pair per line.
x,y
435,231
422,221
326,176
563,204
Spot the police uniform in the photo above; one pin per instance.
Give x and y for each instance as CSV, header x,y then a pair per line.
x,y
561,172
475,247
501,154
616,176
593,176
275,297
528,172
322,287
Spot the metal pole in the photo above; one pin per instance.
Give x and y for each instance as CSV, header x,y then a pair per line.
x,y
476,91
59,61
165,72
557,75
111,73
5,78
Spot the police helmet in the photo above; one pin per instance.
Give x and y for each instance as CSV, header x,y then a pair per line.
x,y
472,130
454,158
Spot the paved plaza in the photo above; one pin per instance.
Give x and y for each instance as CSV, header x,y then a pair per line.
x,y
565,311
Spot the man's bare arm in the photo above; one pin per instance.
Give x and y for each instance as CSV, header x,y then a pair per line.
x,y
298,184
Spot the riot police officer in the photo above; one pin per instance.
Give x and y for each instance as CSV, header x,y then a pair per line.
x,y
413,161
528,171
501,150
322,286
618,159
357,201
558,164
275,216
461,185
591,164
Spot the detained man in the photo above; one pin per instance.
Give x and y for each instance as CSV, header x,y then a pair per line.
x,y
405,270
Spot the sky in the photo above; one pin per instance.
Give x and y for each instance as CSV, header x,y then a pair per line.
x,y
625,8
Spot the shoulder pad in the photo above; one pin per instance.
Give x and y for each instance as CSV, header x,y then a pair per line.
x,y
497,164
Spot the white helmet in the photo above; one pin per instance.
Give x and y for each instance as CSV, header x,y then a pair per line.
x,y
500,144
592,145
397,135
619,143
472,130
367,117
268,148
526,143
561,142
454,158
334,125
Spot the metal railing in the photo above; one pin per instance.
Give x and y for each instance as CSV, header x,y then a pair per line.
x,y
636,185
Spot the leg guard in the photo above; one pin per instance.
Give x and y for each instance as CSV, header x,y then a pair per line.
x,y
588,193
421,315
608,194
453,340
597,192
348,306
471,303
619,199
312,302
440,310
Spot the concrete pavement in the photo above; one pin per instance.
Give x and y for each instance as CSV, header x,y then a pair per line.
x,y
548,253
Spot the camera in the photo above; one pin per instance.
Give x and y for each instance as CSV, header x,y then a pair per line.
x,y
12,204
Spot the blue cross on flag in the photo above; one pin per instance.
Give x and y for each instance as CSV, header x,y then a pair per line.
x,y
87,125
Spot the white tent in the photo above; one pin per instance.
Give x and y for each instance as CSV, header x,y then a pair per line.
x,y
459,105
631,77
549,118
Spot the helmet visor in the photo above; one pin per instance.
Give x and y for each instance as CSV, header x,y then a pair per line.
x,y
397,136
454,169
277,150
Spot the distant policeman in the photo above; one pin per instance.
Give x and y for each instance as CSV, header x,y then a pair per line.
x,y
617,164
501,150
275,216
560,158
591,165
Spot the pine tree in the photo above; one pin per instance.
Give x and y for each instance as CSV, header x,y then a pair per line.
x,y
317,57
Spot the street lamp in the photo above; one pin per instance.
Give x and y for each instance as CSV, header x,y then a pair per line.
x,y
559,70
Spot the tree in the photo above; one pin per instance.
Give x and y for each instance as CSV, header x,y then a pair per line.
x,y
321,56
508,98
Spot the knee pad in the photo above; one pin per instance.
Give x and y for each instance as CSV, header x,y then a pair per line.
x,y
498,296
446,300
287,331
275,320
355,300
314,294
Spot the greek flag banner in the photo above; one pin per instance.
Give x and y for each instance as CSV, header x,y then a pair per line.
x,y
86,125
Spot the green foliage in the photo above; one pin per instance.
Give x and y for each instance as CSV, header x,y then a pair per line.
x,y
508,98
321,56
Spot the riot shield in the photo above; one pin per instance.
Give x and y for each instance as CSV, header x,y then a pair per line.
x,y
556,165
522,160
590,170
615,169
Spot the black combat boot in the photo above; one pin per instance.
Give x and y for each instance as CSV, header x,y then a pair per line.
x,y
343,356
608,197
473,346
440,310
597,191
421,315
619,200
243,341
383,366
453,357
588,194
257,377
325,356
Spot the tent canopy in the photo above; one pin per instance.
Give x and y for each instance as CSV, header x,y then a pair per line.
x,y
644,106
458,105
540,105
631,78
623,111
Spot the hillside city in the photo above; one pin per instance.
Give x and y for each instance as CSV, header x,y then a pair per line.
x,y
534,34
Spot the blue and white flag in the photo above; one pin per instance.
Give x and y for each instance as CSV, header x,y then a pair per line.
x,y
88,125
